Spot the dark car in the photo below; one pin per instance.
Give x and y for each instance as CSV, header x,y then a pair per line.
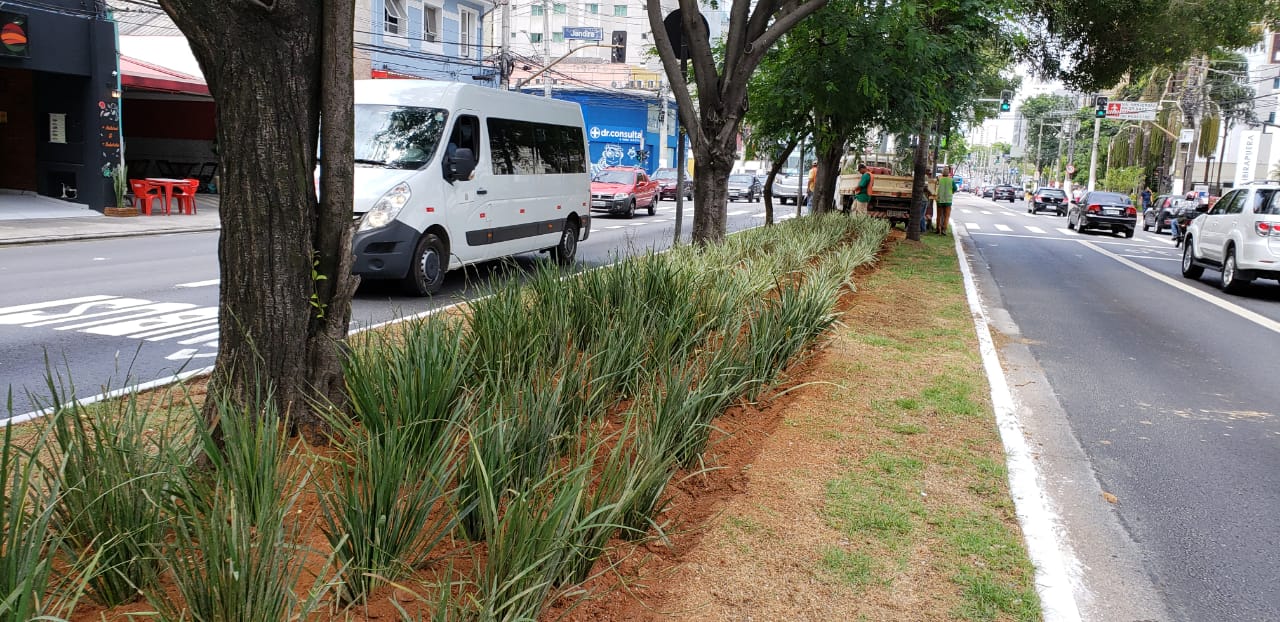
x,y
1160,213
1109,210
1052,199
744,186
987,191
666,178
1003,193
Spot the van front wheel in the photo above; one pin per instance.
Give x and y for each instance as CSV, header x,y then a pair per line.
x,y
565,252
429,265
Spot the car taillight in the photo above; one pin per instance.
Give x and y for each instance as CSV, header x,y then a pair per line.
x,y
1264,228
1132,211
1093,208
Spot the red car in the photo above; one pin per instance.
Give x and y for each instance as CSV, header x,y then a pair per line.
x,y
620,190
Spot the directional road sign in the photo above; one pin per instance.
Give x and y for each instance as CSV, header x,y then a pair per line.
x,y
1132,111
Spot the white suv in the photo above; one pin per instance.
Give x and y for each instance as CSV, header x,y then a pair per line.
x,y
1239,236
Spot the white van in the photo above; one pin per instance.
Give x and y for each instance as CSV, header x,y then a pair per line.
x,y
450,174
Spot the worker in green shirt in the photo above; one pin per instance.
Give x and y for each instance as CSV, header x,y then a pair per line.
x,y
946,189
861,196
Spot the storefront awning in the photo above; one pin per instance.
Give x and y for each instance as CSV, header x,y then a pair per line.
x,y
141,75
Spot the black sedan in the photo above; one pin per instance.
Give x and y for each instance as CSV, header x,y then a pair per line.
x,y
1158,215
1052,199
1103,210
744,186
1004,193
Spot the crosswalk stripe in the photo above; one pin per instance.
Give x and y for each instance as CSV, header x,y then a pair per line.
x,y
972,226
985,212
1004,228
1034,229
966,211
1065,231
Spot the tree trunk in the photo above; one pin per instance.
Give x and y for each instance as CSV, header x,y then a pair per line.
x,y
710,192
824,188
279,322
919,182
777,165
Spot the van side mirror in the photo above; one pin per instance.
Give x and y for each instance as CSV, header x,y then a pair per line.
x,y
460,165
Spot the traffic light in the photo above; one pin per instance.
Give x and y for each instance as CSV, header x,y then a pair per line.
x,y
1100,107
619,46
1005,96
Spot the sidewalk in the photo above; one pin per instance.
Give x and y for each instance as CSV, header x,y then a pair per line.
x,y
26,218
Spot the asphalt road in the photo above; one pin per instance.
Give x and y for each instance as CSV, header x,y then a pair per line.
x,y
1163,384
118,312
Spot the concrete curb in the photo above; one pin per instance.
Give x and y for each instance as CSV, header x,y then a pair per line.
x,y
102,235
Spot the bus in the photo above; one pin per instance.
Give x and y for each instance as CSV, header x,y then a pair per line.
x,y
450,174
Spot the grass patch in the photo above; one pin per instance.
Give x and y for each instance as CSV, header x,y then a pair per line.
x,y
851,567
908,428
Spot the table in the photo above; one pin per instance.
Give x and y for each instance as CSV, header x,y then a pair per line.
x,y
166,184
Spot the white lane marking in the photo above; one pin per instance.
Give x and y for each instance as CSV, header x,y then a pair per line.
x,y
1150,257
966,211
186,354
99,258
1071,237
1231,307
614,227
1050,554
162,335
199,283
738,212
1034,229
32,319
637,224
1066,231
984,212
45,305
154,325
595,231
1004,228
972,226
145,311
198,339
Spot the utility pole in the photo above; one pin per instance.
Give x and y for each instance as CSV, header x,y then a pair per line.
x,y
662,128
506,44
546,45
1093,152
1039,142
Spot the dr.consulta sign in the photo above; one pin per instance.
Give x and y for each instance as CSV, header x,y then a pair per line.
x,y
615,134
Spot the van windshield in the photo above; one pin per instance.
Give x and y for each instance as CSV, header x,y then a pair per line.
x,y
397,136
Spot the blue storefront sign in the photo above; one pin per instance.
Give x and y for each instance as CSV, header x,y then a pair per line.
x,y
583,33
615,134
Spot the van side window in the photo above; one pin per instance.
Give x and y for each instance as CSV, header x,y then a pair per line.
x,y
466,135
528,148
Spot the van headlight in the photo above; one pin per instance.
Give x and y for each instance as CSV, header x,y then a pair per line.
x,y
387,207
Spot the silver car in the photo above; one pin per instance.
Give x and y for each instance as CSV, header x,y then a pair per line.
x,y
1239,236
785,188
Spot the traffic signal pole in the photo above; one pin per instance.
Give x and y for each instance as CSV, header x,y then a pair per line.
x,y
1093,153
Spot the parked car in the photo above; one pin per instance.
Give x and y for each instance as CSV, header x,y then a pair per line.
x,y
744,186
1160,213
666,178
785,188
987,192
1004,193
1049,199
620,190
1239,236
1099,209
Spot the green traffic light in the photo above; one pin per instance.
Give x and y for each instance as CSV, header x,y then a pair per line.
x,y
1101,113
1004,106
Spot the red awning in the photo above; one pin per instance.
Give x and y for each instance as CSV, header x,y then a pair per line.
x,y
141,75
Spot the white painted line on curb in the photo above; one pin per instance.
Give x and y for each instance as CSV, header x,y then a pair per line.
x,y
199,283
1048,551
1256,318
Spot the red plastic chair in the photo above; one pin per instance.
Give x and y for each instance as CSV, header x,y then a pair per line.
x,y
186,196
144,193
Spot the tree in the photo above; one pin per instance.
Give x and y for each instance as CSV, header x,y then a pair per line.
x,y
274,67
721,89
1043,135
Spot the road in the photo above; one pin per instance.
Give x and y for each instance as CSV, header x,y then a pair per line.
x,y
1148,396
117,312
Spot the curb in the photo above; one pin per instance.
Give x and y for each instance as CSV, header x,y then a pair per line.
x,y
103,236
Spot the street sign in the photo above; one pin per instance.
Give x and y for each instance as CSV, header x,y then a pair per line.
x,y
1186,136
1132,111
583,33
1071,169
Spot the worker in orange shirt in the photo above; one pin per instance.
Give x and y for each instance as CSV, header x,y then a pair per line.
x,y
813,182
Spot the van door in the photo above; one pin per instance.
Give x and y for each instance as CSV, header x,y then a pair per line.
x,y
468,223
520,201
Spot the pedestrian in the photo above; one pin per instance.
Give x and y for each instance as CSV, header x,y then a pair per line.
x,y
946,190
861,193
813,182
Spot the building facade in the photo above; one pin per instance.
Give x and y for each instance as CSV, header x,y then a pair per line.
x,y
59,100
429,39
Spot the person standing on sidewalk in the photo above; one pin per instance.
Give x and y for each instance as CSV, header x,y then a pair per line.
x,y
813,183
946,191
1146,198
861,196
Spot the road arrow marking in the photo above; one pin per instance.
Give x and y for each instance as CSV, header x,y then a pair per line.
x,y
187,354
